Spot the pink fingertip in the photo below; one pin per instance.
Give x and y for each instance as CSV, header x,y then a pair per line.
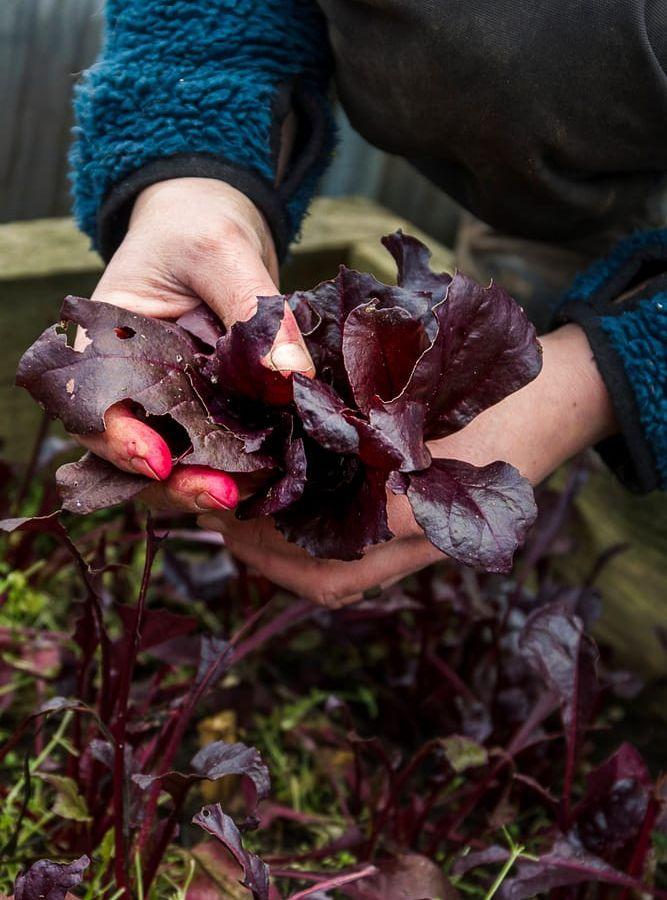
x,y
150,456
222,489
212,489
159,459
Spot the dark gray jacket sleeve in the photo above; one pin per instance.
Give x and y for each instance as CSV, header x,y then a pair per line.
x,y
545,119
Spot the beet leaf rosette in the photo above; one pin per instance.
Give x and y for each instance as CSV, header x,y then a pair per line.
x,y
397,366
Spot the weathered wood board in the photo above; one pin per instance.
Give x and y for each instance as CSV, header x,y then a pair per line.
x,y
633,584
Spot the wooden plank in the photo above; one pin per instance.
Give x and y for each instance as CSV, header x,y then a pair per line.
x,y
44,247
633,585
334,226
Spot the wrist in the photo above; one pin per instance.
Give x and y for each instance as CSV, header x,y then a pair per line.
x,y
563,411
574,390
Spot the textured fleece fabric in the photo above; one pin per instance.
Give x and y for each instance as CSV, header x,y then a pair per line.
x,y
629,340
190,77
639,338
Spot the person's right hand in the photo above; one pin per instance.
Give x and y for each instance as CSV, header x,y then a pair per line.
x,y
190,241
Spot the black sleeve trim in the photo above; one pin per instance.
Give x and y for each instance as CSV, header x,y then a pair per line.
x,y
311,140
273,200
628,454
114,214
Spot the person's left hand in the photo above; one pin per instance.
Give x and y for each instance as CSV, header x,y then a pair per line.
x,y
563,411
328,582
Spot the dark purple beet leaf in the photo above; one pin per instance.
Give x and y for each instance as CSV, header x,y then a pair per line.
x,y
401,423
39,524
255,872
409,875
129,357
157,626
93,483
203,324
477,516
237,364
615,803
556,646
396,365
414,270
341,522
325,418
215,656
213,762
565,865
322,313
485,349
284,491
50,880
321,411
476,858
380,349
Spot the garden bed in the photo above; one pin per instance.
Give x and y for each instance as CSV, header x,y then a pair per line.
x,y
457,734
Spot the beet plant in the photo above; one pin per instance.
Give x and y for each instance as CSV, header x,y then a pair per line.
x,y
459,734
397,366
173,725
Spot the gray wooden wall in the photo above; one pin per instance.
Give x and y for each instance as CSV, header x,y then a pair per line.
x,y
44,44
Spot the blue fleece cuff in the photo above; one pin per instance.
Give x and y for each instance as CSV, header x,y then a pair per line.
x,y
628,337
639,339
200,77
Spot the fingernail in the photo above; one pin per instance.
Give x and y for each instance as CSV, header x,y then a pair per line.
x,y
291,357
143,467
208,501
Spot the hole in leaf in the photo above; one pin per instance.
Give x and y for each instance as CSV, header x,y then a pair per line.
x,y
76,336
124,332
69,329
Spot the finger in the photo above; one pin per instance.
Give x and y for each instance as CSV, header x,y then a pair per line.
x,y
130,444
193,489
331,583
231,283
289,352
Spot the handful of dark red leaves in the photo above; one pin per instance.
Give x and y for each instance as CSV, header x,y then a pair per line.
x,y
397,367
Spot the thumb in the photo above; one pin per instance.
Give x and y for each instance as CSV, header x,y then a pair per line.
x,y
289,352
230,284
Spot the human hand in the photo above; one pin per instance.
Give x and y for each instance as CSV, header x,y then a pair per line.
x,y
564,410
190,241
